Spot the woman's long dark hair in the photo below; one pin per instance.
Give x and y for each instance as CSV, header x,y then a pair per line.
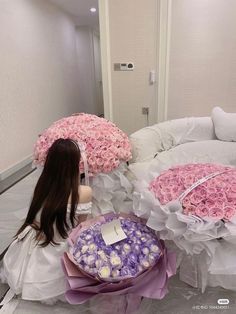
x,y
59,180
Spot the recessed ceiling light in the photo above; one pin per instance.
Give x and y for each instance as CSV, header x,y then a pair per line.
x,y
93,9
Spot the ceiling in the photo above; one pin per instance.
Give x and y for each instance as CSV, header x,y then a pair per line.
x,y
79,9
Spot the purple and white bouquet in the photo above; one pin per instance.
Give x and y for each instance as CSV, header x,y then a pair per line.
x,y
138,265
124,259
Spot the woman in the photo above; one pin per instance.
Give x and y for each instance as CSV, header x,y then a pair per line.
x,y
32,264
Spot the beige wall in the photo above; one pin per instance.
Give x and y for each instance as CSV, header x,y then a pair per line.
x,y
202,57
133,38
38,76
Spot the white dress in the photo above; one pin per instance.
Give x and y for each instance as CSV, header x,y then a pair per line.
x,y
34,272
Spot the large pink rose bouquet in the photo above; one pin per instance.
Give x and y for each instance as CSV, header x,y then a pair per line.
x,y
106,146
205,190
193,205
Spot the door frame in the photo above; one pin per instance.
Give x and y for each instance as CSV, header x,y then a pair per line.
x,y
163,55
105,58
164,30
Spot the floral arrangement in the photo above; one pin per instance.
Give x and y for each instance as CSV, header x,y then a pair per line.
x,y
105,144
126,259
138,265
210,190
194,206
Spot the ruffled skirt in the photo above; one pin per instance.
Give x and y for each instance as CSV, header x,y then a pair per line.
x,y
34,272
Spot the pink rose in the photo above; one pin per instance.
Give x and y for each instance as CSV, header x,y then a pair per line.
x,y
213,196
233,187
195,198
231,195
186,201
189,180
201,191
216,213
211,189
190,210
229,212
219,202
201,210
210,203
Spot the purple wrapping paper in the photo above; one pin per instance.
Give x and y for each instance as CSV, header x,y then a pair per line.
x,y
150,284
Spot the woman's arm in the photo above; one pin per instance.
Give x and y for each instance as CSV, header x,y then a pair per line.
x,y
85,194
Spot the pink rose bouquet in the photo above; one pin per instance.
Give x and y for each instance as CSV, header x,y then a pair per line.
x,y
106,146
205,190
193,205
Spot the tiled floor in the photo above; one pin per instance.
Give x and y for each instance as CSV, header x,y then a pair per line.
x,y
182,299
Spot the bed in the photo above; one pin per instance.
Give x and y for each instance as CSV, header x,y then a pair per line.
x,y
183,141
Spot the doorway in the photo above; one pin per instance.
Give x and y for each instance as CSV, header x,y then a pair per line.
x,y
85,16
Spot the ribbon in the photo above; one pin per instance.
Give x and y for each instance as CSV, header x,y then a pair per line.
x,y
199,182
84,158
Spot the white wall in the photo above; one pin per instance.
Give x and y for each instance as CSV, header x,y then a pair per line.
x,y
202,57
38,76
133,38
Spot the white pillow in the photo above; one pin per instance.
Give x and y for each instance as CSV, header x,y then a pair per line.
x,y
191,129
225,124
147,141
150,140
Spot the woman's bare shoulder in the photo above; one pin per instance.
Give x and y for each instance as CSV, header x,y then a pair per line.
x,y
85,194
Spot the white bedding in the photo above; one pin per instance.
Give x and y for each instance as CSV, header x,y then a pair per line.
x,y
161,137
213,151
190,140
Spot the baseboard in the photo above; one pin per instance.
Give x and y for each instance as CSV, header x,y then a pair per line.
x,y
12,175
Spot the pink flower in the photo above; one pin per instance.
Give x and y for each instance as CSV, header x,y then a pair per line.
x,y
211,189
201,210
210,203
231,195
186,201
233,187
195,198
216,213
219,202
190,210
229,212
201,191
189,180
